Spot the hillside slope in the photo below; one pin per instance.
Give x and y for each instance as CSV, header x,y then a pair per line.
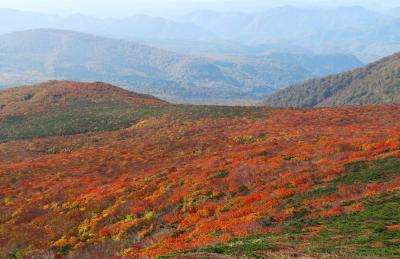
x,y
241,181
39,55
377,83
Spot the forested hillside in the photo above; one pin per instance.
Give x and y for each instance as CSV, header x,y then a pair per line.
x,y
377,83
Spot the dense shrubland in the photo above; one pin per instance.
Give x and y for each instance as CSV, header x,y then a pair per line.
x,y
238,181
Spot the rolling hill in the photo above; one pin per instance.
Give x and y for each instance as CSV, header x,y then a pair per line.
x,y
66,107
58,108
26,100
377,83
38,55
249,182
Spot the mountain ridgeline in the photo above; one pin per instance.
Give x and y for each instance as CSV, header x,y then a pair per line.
x,y
376,83
368,34
38,55
355,30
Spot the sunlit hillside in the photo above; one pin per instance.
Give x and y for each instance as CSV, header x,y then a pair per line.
x,y
241,181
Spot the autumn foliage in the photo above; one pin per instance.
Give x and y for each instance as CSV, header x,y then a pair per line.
x,y
174,183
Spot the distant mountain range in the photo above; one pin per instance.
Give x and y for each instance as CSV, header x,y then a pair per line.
x,y
38,55
377,83
369,35
353,30
282,23
134,27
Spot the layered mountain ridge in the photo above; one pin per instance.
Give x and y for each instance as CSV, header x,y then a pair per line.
x,y
38,55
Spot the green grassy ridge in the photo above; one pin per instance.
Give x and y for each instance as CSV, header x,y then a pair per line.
x,y
85,116
356,233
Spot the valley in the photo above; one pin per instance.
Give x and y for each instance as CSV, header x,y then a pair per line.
x,y
35,56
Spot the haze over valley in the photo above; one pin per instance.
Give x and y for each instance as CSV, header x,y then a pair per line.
x,y
38,55
202,56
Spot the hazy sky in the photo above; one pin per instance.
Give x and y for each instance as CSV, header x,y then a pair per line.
x,y
160,7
